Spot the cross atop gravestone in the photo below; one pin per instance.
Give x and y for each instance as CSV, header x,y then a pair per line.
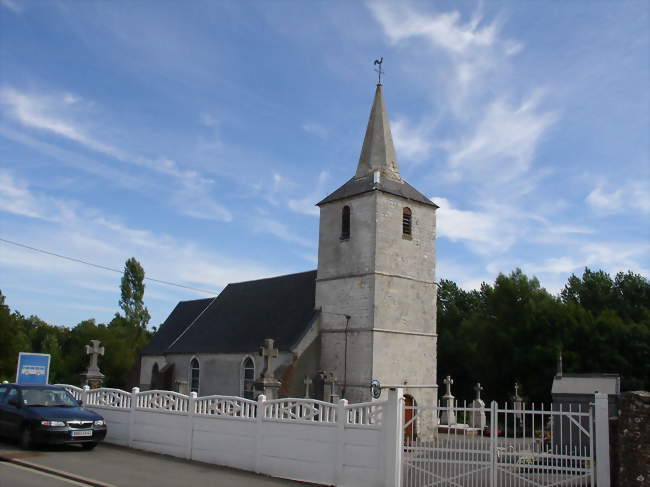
x,y
92,376
307,383
268,352
94,351
448,382
478,388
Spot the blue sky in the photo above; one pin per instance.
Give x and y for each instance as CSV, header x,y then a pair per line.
x,y
197,136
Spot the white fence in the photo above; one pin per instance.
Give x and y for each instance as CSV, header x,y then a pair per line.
x,y
301,439
366,444
509,446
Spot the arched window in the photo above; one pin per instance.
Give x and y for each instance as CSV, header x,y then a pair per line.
x,y
345,223
194,375
406,222
247,388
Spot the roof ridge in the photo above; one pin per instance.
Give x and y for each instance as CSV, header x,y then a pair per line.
x,y
273,277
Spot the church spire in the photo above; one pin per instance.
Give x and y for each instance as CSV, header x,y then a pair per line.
x,y
378,152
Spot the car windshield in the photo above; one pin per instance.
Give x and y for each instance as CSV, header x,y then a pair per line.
x,y
48,398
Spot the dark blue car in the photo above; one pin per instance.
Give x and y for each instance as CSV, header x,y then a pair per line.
x,y
39,414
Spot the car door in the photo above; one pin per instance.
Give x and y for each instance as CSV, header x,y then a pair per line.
x,y
3,390
12,415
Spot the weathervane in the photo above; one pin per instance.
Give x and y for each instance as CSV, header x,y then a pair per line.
x,y
379,71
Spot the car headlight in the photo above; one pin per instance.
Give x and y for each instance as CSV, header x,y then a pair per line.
x,y
52,423
99,422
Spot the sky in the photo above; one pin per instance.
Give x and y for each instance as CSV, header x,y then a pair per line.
x,y
198,136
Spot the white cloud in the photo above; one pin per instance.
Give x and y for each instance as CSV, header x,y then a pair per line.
x,y
411,143
504,142
484,232
306,205
264,224
316,129
91,235
633,195
58,114
401,21
13,5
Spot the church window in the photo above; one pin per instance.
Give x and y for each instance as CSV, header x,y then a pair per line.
x,y
345,223
248,378
406,222
194,375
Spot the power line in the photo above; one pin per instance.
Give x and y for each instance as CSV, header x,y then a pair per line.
x,y
99,266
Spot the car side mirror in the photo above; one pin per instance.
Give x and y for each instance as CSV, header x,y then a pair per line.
x,y
14,402
80,402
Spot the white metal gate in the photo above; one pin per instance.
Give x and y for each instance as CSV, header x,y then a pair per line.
x,y
517,447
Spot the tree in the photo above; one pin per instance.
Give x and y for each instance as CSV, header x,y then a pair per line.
x,y
132,289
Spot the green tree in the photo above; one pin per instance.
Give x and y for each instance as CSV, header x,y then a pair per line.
x,y
13,339
132,294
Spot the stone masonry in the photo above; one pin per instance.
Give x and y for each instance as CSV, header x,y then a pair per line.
x,y
631,441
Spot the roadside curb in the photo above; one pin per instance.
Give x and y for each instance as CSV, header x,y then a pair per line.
x,y
54,472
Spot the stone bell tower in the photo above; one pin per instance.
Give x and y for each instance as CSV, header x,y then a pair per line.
x,y
376,271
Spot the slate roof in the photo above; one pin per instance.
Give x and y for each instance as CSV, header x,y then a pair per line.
x,y
363,185
240,318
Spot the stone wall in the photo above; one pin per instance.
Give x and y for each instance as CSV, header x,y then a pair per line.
x,y
630,453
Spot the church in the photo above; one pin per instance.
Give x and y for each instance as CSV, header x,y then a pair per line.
x,y
368,312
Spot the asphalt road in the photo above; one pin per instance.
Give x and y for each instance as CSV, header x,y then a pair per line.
x,y
112,466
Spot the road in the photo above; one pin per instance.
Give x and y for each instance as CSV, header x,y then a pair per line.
x,y
112,466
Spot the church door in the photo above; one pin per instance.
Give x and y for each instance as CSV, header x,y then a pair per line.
x,y
409,423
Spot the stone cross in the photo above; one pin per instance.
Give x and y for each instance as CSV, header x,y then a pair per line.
x,y
307,383
517,386
268,352
448,415
477,417
94,351
478,388
448,382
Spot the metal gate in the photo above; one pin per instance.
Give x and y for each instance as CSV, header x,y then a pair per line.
x,y
507,447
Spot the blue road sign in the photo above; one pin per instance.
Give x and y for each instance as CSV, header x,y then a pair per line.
x,y
33,368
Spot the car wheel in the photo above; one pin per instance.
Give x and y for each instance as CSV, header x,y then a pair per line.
x,y
88,446
26,441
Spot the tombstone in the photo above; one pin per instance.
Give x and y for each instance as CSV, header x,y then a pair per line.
x,y
518,404
477,418
448,416
307,383
330,383
267,384
92,377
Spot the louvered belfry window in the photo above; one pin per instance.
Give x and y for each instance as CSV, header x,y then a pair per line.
x,y
406,222
345,223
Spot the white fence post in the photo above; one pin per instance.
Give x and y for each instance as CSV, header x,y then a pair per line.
x,y
494,427
191,405
341,420
259,418
601,418
394,428
134,402
84,395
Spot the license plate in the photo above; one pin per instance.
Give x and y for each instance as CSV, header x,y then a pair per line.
x,y
82,433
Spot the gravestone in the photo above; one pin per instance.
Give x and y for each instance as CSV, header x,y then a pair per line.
x,y
448,416
477,418
330,383
92,377
518,404
267,384
307,383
